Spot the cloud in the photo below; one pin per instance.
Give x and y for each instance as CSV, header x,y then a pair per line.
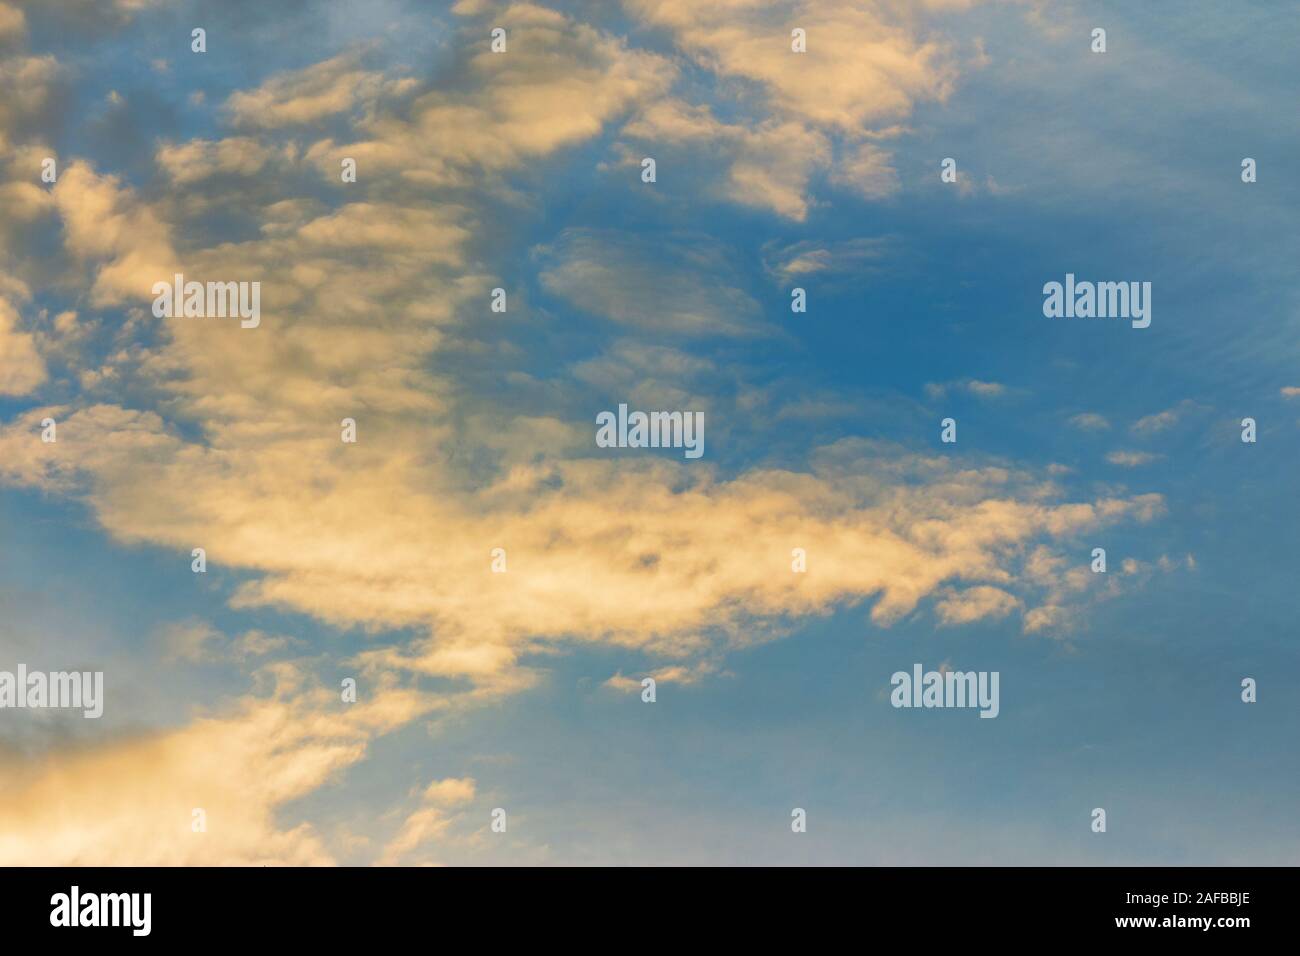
x,y
865,63
1130,459
974,387
866,67
1151,424
12,22
129,802
22,370
451,791
672,674
852,258
767,164
648,376
1049,617
308,95
561,82
421,827
196,160
191,641
974,604
124,241
1090,422
632,553
687,287
199,642
429,822
27,84
866,169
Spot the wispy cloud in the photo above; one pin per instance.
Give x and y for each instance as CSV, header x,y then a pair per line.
x,y
1090,422
1131,459
1151,424
681,289
856,258
969,386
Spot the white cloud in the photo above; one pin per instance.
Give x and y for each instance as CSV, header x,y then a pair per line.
x,y
1090,422
1151,424
970,386
1131,459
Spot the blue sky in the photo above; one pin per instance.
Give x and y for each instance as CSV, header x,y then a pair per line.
x,y
522,691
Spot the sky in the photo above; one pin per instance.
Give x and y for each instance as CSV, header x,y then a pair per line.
x,y
500,714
